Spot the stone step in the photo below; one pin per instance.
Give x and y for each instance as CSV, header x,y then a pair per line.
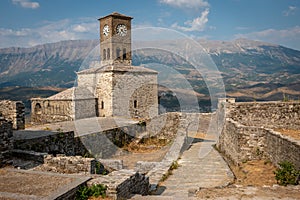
x,y
195,171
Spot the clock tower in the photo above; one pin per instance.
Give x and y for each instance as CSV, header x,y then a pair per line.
x,y
115,39
120,89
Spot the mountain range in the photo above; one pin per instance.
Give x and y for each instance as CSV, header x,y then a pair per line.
x,y
251,70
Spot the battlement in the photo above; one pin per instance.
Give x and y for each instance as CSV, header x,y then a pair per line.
x,y
253,130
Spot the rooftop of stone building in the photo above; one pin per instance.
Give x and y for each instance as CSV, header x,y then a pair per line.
x,y
66,94
73,93
118,68
116,14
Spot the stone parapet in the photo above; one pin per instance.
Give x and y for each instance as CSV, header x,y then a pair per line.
x,y
13,111
272,114
123,184
248,132
6,142
72,165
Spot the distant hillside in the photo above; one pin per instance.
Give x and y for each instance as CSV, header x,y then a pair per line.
x,y
51,64
250,69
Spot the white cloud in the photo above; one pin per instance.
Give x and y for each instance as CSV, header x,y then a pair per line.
x,y
79,28
241,28
190,4
286,37
84,28
290,11
197,24
26,4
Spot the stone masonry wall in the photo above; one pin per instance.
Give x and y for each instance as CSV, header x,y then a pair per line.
x,y
71,165
6,141
50,111
13,111
280,148
163,126
123,184
104,94
56,143
107,143
135,94
245,136
266,114
242,143
103,144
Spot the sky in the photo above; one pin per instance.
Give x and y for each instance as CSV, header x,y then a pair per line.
x,y
26,23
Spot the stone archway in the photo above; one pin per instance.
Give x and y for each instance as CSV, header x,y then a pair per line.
x,y
38,109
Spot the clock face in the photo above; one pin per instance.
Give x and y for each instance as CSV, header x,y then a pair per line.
x,y
121,30
106,30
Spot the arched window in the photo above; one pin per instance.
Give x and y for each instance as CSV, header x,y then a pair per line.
x,y
124,54
104,54
118,51
135,103
102,105
108,53
38,109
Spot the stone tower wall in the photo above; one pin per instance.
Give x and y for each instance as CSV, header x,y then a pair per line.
x,y
104,94
135,95
113,41
87,81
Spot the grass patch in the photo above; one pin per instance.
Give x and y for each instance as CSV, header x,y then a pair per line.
x,y
85,192
173,166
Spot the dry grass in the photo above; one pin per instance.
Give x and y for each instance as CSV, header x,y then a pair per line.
x,y
146,145
292,133
254,173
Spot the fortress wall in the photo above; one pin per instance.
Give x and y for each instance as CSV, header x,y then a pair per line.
x,y
164,126
244,136
102,144
242,143
13,111
280,148
266,114
55,143
6,141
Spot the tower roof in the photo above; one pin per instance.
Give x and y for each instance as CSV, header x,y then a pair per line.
x,y
116,14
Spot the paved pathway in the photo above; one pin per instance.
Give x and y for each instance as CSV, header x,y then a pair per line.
x,y
200,166
195,172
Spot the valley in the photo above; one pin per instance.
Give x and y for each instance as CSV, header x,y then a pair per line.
x,y
250,70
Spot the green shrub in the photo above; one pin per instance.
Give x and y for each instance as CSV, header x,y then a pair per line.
x,y
174,165
286,174
95,191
